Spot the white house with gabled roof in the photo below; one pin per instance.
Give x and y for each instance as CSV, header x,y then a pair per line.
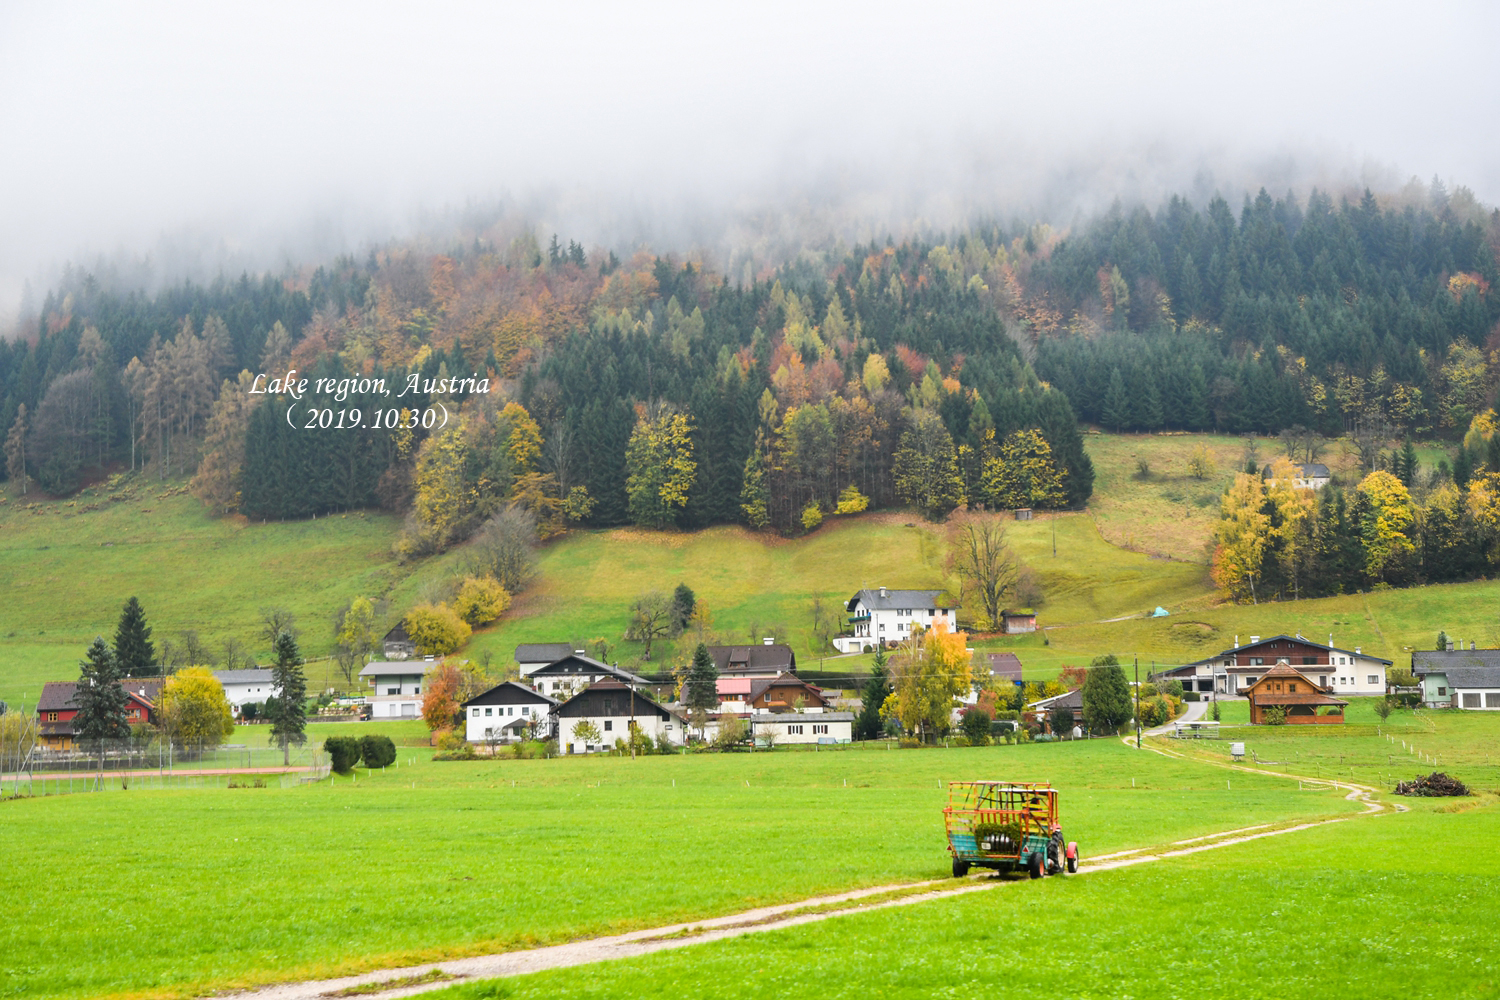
x,y
891,616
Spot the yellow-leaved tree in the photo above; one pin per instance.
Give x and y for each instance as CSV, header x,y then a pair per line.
x,y
193,710
1023,474
436,629
481,600
931,670
660,467
1386,526
446,500
1240,539
1296,516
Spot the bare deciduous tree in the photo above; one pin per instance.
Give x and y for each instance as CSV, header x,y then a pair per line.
x,y
983,561
650,618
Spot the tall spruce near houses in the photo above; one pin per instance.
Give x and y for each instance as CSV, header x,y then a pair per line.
x,y
134,650
100,697
287,710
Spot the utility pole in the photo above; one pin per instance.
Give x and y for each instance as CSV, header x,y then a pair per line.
x,y
1137,702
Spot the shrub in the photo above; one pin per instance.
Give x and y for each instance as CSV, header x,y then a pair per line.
x,y
249,710
1274,716
377,751
1190,696
480,600
343,752
1383,708
452,746
811,516
1173,687
852,501
976,726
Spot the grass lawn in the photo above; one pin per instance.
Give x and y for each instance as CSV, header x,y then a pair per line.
x,y
1397,906
212,889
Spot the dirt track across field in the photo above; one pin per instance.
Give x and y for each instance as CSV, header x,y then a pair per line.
x,y
768,918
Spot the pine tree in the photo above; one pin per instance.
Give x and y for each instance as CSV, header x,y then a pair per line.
x,y
701,689
868,724
1106,698
1493,455
134,650
287,712
1116,412
100,698
15,448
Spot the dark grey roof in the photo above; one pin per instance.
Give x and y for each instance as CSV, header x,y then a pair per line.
x,y
1006,666
1467,678
1236,650
576,665
510,693
391,668
397,633
542,652
751,658
1429,661
1305,470
901,599
588,701
1068,699
256,676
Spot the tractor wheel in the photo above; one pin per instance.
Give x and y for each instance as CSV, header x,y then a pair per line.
x,y
1073,859
960,868
1037,866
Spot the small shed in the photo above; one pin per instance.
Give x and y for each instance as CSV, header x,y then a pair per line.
x,y
1023,513
1014,621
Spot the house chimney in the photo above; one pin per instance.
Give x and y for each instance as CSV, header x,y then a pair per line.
x,y
1471,643
1254,639
1236,642
882,591
1450,645
1356,650
769,640
579,652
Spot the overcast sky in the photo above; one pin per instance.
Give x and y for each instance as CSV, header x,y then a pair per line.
x,y
249,133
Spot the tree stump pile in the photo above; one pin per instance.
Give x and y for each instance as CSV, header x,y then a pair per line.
x,y
1435,784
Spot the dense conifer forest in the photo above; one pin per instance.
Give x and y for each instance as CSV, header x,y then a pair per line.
x,y
584,388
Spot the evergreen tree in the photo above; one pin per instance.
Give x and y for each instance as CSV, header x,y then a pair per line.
x,y
868,724
1405,464
701,688
683,603
1116,412
1463,468
1106,698
1492,455
134,651
100,699
288,714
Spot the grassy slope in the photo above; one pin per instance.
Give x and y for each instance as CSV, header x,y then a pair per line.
x,y
66,571
574,846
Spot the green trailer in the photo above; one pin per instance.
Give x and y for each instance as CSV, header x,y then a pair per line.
x,y
1006,826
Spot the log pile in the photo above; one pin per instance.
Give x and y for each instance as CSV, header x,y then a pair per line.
x,y
1435,784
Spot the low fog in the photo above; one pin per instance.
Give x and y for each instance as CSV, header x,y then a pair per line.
x,y
187,139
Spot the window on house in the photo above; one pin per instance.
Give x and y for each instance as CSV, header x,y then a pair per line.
x,y
932,611
794,730
1372,679
417,689
394,690
609,726
1492,699
1257,661
1292,686
820,729
1471,699
1322,680
1249,681
1442,692
1309,660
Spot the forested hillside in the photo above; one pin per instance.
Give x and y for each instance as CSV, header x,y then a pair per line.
x,y
654,391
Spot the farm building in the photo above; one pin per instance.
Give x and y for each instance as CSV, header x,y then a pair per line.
x,y
890,616
1344,672
1459,678
1309,475
397,645
613,708
1005,668
793,727
56,711
1015,621
505,712
1043,708
1285,687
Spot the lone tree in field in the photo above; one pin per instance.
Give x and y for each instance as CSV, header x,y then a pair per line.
x,y
1106,697
287,712
194,711
133,649
650,618
984,562
100,698
701,689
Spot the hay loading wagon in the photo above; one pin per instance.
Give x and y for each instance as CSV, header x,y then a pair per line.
x,y
1006,826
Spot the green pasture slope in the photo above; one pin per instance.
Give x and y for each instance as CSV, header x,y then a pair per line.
x,y
181,892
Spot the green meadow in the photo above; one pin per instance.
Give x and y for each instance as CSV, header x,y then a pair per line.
x,y
1393,906
177,893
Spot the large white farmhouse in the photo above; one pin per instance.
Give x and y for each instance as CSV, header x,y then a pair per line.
x,y
891,616
396,688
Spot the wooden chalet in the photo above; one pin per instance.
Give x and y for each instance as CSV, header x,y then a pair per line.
x,y
1284,686
780,694
57,712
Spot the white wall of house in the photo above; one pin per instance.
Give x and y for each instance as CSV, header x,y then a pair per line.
x,y
617,727
481,719
394,708
795,727
241,694
1476,699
